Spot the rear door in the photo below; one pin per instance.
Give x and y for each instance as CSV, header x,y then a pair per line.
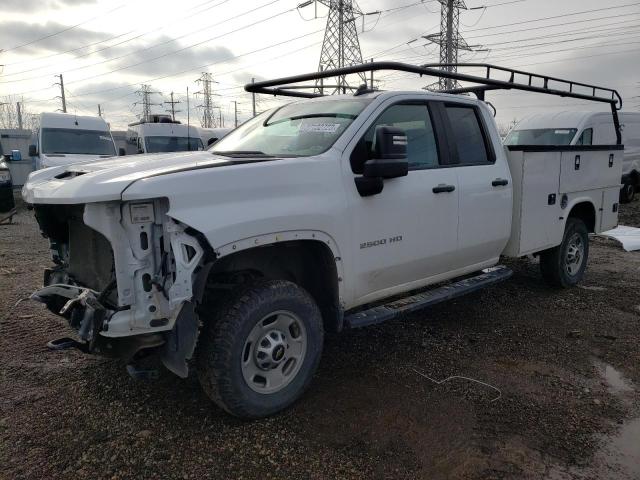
x,y
485,184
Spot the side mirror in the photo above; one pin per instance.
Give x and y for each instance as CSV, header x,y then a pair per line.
x,y
33,151
121,152
390,156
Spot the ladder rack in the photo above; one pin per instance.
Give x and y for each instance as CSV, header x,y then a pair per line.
x,y
517,80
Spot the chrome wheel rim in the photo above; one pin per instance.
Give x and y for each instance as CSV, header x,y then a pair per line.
x,y
575,254
274,352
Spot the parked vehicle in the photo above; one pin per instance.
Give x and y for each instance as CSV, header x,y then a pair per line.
x,y
7,203
159,134
210,136
308,219
586,128
65,138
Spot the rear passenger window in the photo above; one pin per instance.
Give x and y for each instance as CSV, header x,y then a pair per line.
x,y
467,135
586,137
422,151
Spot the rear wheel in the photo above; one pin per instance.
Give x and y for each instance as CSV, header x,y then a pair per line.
x,y
564,265
259,351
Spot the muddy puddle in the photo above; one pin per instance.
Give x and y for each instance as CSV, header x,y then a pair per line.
x,y
621,451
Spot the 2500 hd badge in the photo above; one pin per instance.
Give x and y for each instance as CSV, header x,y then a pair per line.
x,y
382,241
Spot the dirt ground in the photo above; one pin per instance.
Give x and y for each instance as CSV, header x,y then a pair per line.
x,y
565,364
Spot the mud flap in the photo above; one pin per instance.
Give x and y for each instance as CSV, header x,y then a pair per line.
x,y
181,341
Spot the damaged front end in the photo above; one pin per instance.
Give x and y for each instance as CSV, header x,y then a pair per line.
x,y
125,278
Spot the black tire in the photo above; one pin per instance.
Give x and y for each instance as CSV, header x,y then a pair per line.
x,y
222,350
553,262
627,193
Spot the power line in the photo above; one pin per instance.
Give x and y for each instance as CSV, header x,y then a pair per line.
x,y
31,42
133,52
81,47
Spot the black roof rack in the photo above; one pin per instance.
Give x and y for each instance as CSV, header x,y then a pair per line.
x,y
518,80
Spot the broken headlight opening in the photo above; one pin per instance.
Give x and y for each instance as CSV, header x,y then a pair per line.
x,y
123,274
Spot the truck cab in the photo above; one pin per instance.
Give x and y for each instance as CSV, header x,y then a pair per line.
x,y
585,128
65,138
159,133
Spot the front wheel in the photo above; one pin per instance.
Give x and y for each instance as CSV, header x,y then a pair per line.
x,y
563,266
259,351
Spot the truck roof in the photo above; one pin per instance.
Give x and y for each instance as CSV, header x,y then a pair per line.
x,y
69,120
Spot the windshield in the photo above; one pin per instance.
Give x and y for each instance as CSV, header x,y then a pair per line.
x,y
172,144
76,141
541,136
295,130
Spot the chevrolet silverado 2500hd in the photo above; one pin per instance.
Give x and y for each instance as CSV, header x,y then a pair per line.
x,y
306,219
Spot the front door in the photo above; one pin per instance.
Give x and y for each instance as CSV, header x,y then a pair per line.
x,y
408,232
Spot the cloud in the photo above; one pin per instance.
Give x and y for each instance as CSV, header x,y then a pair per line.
x,y
22,6
18,33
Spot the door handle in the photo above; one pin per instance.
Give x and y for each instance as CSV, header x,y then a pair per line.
x,y
442,188
500,182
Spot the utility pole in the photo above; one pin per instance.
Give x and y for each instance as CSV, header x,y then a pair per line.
x,y
62,97
235,113
99,111
145,93
208,118
449,40
172,109
19,113
341,46
253,98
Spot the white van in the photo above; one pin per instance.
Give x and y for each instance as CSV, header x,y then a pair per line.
x,y
159,133
65,138
210,136
585,128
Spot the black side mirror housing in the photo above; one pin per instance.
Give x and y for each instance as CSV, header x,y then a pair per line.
x,y
121,152
33,151
390,156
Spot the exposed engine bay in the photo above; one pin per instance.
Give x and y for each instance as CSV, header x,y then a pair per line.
x,y
124,276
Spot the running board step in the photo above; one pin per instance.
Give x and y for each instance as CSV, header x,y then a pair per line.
x,y
382,313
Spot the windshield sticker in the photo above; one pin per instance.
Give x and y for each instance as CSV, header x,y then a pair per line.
x,y
102,137
319,127
562,132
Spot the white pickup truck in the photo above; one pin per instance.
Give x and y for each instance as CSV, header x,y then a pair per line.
x,y
304,220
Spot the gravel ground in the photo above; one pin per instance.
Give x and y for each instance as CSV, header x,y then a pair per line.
x,y
565,363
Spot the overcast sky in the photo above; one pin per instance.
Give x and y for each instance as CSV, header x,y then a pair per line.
x,y
107,49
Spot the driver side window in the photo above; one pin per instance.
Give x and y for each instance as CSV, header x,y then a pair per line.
x,y
422,150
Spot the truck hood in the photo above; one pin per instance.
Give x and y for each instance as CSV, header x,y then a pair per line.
x,y
59,159
105,180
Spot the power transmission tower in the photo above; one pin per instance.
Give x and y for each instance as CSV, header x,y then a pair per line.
x,y
172,109
62,96
450,41
145,93
341,46
208,118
